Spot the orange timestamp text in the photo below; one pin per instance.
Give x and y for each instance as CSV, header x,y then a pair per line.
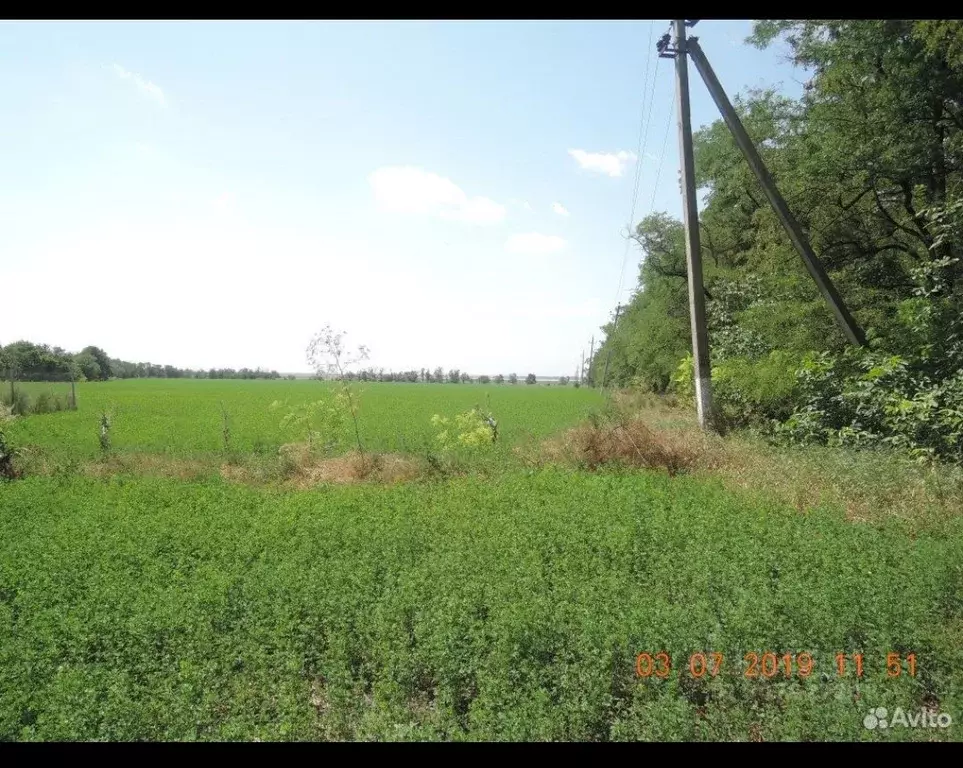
x,y
769,664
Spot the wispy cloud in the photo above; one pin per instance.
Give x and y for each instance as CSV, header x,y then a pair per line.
x,y
534,243
143,85
405,189
560,209
610,163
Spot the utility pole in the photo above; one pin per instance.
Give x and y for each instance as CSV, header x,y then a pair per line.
x,y
591,358
852,330
608,352
693,251
581,368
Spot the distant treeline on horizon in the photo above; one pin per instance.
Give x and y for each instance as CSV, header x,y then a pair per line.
x,y
26,361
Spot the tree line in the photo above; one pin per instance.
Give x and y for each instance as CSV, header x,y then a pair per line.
x,y
25,361
438,376
870,160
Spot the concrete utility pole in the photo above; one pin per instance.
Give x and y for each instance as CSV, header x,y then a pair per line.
x,y
852,330
608,352
581,368
591,357
693,250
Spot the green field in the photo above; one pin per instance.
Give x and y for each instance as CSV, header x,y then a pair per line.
x,y
471,607
182,417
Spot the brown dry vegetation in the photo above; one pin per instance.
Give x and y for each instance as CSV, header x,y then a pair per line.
x,y
648,432
302,468
632,442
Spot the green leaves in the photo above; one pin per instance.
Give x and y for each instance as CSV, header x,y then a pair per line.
x,y
511,608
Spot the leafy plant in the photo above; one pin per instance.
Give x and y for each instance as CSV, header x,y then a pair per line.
x,y
328,356
8,471
472,429
104,433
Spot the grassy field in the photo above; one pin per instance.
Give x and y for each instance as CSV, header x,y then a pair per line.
x,y
182,417
461,606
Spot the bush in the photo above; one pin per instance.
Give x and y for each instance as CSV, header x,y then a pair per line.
x,y
8,471
19,405
609,438
866,398
751,391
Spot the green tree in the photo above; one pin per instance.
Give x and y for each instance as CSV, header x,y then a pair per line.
x,y
103,361
89,367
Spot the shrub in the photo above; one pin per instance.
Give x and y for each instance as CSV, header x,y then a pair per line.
x,y
19,405
8,471
610,438
104,434
748,391
471,429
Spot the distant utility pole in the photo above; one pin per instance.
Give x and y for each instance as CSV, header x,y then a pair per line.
x,y
693,250
591,357
852,330
608,352
581,368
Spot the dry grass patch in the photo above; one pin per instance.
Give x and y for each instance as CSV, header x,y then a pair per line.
x,y
650,432
302,468
151,464
869,486
631,442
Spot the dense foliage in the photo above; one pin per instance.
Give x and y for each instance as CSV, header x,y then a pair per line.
x,y
870,162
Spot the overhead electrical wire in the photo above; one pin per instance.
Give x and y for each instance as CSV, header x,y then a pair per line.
x,y
644,125
645,120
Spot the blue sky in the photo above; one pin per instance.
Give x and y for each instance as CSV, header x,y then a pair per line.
x,y
449,193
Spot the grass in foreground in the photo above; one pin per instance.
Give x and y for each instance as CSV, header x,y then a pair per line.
x,y
144,608
153,595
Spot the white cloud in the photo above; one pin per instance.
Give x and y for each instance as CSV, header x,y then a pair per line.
x,y
610,163
144,86
534,243
560,209
405,189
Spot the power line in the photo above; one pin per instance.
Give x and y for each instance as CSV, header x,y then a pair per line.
x,y
644,123
665,143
